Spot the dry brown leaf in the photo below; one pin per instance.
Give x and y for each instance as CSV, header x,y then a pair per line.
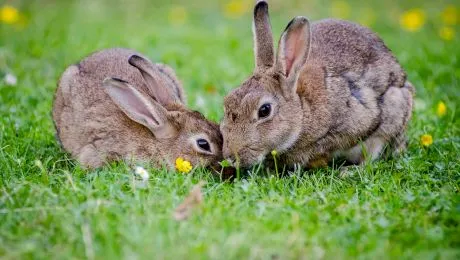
x,y
194,198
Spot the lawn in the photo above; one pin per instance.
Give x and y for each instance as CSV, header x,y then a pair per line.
x,y
405,207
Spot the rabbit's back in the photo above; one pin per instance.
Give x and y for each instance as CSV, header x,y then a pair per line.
x,y
357,54
85,117
103,64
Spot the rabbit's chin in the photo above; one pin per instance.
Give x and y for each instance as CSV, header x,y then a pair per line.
x,y
289,141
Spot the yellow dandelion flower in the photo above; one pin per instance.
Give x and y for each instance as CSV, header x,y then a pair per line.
x,y
441,110
274,153
447,33
426,140
340,9
9,15
177,15
236,8
412,20
449,15
183,166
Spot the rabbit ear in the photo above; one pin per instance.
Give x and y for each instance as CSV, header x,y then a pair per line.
x,y
263,38
158,88
294,47
139,108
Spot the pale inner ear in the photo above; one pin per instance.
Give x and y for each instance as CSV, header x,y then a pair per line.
x,y
133,106
139,108
294,47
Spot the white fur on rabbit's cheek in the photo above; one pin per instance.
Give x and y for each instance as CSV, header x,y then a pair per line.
x,y
289,140
260,158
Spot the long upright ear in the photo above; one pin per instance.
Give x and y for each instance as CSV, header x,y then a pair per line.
x,y
158,85
294,47
139,108
263,38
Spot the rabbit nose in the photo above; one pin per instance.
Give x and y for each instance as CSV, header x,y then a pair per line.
x,y
226,152
230,153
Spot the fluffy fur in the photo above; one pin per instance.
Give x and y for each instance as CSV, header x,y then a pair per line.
x,y
115,105
334,89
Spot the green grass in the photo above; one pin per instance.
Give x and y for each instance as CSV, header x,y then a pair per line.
x,y
406,207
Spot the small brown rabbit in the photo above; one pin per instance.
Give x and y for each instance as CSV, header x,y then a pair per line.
x,y
115,105
333,89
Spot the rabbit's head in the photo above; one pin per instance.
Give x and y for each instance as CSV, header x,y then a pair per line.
x,y
265,112
178,131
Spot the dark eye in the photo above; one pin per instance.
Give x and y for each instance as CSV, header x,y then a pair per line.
x,y
265,110
203,144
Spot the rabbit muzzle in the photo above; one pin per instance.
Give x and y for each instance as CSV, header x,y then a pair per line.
x,y
242,156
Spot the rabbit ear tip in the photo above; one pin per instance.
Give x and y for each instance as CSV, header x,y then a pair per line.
x,y
261,2
134,58
301,19
259,5
298,20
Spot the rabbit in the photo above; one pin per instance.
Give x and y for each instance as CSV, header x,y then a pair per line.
x,y
334,89
117,105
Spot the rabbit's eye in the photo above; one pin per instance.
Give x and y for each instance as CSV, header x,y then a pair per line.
x,y
203,144
265,110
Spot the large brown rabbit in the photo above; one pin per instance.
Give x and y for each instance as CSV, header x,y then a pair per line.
x,y
116,105
333,89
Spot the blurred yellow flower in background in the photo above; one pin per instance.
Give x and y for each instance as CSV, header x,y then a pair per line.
x,y
340,9
441,109
9,14
210,88
426,140
236,8
177,15
447,33
183,166
449,15
412,20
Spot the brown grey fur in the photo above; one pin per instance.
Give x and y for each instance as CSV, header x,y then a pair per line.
x,y
95,130
341,86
